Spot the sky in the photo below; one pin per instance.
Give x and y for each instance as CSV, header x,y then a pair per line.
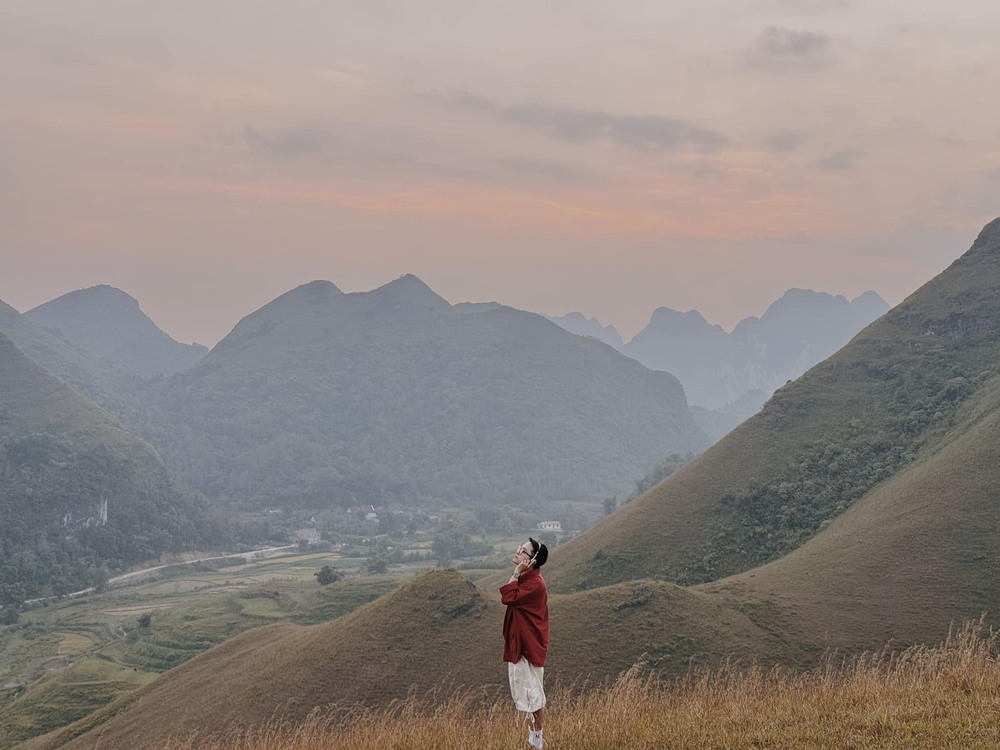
x,y
601,156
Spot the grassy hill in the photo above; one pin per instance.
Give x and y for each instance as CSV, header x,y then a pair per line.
x,y
80,496
932,698
917,552
69,658
886,400
369,657
429,639
394,395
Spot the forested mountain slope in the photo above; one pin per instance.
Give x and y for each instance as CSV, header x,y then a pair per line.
x,y
394,395
79,496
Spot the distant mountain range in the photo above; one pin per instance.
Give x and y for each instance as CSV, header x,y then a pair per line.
x,y
395,395
760,355
382,375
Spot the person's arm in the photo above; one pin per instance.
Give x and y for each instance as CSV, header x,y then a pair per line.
x,y
518,593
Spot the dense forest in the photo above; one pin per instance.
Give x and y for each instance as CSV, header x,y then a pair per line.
x,y
322,398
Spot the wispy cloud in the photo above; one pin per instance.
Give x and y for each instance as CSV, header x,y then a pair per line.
x,y
290,143
781,49
639,132
805,7
550,170
842,159
784,141
323,146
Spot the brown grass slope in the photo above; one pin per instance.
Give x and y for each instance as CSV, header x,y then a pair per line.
x,y
430,639
917,553
929,698
880,403
438,631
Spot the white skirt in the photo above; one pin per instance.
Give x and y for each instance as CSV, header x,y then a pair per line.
x,y
526,685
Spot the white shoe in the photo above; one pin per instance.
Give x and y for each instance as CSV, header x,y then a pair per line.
x,y
535,739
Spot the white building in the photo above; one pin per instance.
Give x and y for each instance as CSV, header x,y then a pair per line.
x,y
549,526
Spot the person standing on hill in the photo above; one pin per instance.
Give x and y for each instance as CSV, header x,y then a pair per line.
x,y
526,634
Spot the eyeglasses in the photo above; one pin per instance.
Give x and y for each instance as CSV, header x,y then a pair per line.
x,y
522,551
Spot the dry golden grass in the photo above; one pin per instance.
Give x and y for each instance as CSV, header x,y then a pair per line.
x,y
925,697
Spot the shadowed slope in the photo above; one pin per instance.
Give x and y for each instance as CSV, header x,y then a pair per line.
x,y
817,446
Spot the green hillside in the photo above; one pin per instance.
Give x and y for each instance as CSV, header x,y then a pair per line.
x,y
884,401
98,378
919,552
80,497
323,398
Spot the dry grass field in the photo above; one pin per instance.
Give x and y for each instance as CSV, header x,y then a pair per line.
x,y
925,697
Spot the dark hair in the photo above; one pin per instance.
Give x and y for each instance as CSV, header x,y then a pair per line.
x,y
541,553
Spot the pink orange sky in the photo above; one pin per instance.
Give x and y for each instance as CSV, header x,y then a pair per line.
x,y
560,155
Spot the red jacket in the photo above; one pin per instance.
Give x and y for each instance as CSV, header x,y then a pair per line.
x,y
526,622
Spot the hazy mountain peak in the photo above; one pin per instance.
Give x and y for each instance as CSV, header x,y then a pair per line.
x,y
795,300
666,314
411,290
318,292
318,286
989,238
870,297
797,330
103,299
105,294
581,325
108,322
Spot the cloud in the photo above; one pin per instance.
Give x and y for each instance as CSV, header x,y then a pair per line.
x,y
290,143
639,132
320,145
784,141
781,49
805,7
846,158
550,170
977,198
